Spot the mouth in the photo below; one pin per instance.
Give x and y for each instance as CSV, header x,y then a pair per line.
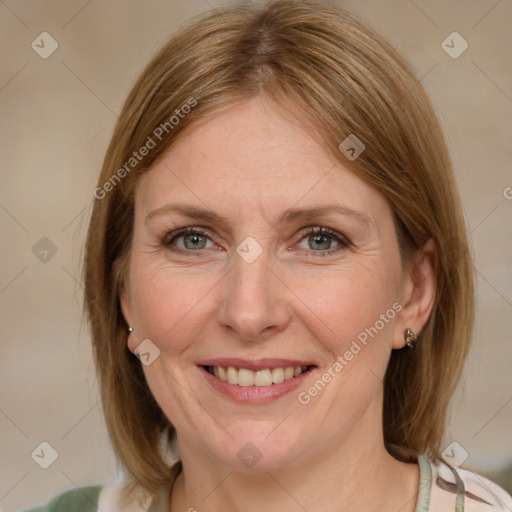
x,y
255,381
245,377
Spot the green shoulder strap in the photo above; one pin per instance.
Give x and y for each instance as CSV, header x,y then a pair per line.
x,y
84,499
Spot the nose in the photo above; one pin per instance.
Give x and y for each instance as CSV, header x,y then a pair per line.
x,y
254,305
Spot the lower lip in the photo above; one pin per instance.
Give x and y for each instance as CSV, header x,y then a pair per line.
x,y
255,394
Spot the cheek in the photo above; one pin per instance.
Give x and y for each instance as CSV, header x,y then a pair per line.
x,y
354,306
166,304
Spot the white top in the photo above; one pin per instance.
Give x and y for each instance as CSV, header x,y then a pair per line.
x,y
442,488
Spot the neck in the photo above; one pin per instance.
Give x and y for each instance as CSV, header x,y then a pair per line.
x,y
350,474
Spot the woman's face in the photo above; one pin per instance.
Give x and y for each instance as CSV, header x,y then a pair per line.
x,y
253,289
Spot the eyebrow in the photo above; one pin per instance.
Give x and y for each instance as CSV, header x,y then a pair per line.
x,y
288,216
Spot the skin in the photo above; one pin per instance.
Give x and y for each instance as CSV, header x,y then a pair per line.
x,y
249,164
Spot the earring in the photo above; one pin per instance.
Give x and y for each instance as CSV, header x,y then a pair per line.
x,y
410,338
130,329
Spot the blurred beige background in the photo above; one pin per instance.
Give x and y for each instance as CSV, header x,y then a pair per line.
x,y
57,117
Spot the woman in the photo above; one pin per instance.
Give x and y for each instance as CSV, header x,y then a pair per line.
x,y
277,277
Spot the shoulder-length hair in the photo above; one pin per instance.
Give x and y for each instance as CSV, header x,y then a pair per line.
x,y
327,68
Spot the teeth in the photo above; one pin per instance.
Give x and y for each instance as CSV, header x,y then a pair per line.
x,y
264,377
232,375
245,377
288,373
277,375
222,374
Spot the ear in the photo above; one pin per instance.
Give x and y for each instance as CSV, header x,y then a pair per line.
x,y
125,299
418,293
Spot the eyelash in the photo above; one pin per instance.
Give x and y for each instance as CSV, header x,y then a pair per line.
x,y
341,240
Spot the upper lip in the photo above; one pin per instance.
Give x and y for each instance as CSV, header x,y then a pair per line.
x,y
254,364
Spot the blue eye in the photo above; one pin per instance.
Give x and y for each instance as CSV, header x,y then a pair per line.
x,y
193,239
319,240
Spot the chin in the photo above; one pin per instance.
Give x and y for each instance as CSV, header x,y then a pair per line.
x,y
250,450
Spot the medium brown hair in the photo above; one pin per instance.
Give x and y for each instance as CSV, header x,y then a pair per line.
x,y
326,67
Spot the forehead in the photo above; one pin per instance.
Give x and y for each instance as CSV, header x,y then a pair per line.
x,y
252,155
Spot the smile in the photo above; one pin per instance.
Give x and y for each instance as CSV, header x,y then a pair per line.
x,y
255,381
264,377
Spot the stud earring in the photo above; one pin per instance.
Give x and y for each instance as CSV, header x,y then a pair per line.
x,y
130,329
410,338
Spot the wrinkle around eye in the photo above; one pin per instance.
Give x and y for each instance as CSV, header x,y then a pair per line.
x,y
170,236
